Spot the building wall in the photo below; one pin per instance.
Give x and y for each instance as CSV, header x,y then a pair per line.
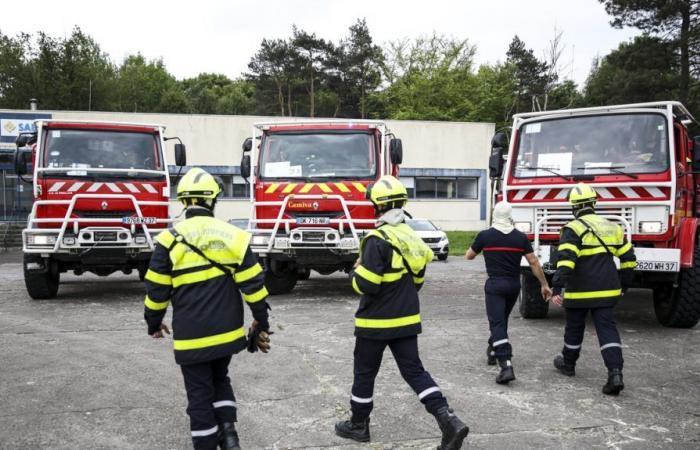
x,y
431,149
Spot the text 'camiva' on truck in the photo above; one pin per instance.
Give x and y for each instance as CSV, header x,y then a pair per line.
x,y
101,194
644,167
309,209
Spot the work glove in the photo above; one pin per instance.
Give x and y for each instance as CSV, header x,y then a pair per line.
x,y
258,338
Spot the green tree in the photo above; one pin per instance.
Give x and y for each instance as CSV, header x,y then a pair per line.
x,y
363,62
142,86
274,72
677,21
532,75
310,53
15,84
641,70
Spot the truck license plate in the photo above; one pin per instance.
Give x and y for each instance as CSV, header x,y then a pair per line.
x,y
138,220
313,220
657,266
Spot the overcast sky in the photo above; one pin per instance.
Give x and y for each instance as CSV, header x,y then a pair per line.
x,y
221,36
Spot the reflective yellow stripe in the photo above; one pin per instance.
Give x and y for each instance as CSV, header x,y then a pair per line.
x,y
306,188
196,277
360,187
209,341
158,278
392,276
356,287
387,323
272,188
256,296
628,265
624,249
325,188
417,280
592,251
571,247
249,273
155,306
368,275
342,188
289,188
564,263
592,294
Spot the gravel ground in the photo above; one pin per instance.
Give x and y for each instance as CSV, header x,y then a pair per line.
x,y
79,372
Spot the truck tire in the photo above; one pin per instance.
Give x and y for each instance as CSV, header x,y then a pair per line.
x,y
303,274
532,305
41,284
281,282
680,307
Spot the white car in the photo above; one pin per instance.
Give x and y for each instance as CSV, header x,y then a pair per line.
x,y
431,235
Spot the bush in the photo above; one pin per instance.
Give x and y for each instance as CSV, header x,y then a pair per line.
x,y
460,241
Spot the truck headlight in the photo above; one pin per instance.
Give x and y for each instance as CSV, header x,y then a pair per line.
x,y
41,239
260,240
524,227
650,227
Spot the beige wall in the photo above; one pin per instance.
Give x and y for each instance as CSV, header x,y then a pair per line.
x,y
214,140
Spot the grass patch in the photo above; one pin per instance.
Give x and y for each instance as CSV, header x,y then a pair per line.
x,y
460,241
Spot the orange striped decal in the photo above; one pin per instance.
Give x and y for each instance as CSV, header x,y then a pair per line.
x,y
342,188
272,188
306,188
289,188
325,188
360,187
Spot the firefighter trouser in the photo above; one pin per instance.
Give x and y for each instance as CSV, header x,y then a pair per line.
x,y
368,359
608,337
210,400
501,295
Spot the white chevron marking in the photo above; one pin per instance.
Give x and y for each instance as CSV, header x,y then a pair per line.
x,y
131,188
95,187
57,186
76,186
604,192
542,193
521,194
654,191
563,193
150,188
113,187
629,192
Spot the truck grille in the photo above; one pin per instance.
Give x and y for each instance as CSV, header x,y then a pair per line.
x,y
112,214
105,236
314,236
553,226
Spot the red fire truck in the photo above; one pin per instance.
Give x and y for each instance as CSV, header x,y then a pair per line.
x,y
308,199
101,194
644,166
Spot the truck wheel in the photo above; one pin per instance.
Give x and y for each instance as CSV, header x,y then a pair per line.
x,y
532,305
303,274
41,284
680,307
281,282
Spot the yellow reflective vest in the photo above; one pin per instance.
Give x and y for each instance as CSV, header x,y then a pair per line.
x,y
207,303
391,271
586,270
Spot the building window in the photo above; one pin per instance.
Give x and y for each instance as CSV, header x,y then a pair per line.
x,y
241,189
443,188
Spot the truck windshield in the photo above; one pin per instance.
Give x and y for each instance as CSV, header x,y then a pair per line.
x,y
593,145
81,150
330,154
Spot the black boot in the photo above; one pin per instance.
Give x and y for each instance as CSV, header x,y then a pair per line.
x,y
229,438
563,367
614,384
353,429
490,356
453,430
507,375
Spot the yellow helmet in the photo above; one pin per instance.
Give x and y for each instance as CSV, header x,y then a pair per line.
x,y
387,190
198,183
582,193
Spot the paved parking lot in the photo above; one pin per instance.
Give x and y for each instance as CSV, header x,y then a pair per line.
x,y
80,372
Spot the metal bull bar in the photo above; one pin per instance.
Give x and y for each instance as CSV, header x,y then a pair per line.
x,y
625,223
283,208
32,220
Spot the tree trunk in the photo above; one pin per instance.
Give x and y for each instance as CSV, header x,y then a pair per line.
x,y
280,97
289,99
312,100
685,60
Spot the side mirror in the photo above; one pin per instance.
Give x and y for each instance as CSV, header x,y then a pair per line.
x,y
499,145
696,153
396,151
180,155
247,145
25,139
245,166
21,162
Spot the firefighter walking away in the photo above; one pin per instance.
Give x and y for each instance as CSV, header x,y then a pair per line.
x,y
503,248
203,266
388,275
587,280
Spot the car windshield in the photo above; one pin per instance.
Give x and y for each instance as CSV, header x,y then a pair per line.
x,y
318,155
593,145
421,225
80,150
